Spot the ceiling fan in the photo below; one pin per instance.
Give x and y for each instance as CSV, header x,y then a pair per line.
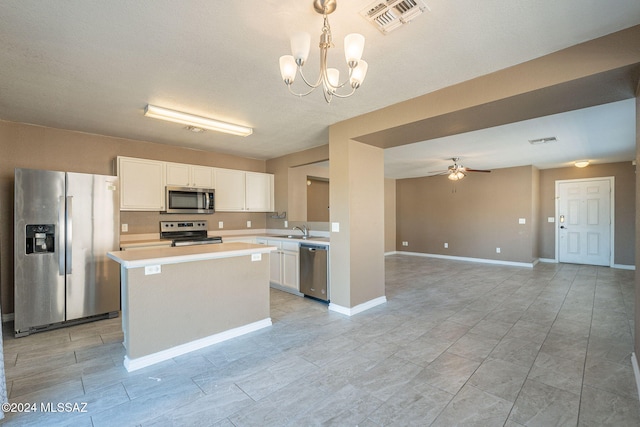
x,y
456,171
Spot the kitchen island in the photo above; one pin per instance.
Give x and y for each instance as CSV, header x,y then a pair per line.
x,y
179,299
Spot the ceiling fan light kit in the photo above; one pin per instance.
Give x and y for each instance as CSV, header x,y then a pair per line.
x,y
456,171
329,78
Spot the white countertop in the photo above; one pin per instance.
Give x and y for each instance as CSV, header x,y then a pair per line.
x,y
148,241
173,255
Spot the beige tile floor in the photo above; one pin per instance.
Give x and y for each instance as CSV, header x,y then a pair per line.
x,y
456,344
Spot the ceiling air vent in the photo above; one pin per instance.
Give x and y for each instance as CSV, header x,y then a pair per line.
x,y
391,14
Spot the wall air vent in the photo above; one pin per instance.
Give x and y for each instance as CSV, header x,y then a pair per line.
x,y
540,141
387,15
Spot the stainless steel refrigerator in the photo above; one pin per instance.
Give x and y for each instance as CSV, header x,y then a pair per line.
x,y
64,225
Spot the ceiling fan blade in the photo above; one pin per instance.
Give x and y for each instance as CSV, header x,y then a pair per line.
x,y
476,170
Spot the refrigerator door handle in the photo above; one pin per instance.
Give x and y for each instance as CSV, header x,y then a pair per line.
x,y
69,234
60,236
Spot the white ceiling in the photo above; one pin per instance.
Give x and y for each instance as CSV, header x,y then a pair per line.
x,y
93,65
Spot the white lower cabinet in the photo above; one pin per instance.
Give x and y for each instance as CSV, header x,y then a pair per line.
x,y
284,261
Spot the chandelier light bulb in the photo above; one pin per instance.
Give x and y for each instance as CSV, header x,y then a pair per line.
x,y
358,74
353,48
333,75
288,68
300,46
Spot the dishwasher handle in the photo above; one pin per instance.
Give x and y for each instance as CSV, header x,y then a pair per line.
x,y
313,248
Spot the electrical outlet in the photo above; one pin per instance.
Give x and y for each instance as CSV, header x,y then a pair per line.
x,y
248,224
497,250
522,220
405,243
125,228
446,245
286,224
152,269
220,224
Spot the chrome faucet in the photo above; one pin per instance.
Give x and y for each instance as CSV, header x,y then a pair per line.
x,y
304,230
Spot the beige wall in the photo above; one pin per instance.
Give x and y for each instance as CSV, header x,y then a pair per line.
x,y
474,216
280,168
297,191
481,213
389,215
624,206
37,147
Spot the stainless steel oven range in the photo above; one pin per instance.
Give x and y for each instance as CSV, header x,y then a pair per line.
x,y
187,233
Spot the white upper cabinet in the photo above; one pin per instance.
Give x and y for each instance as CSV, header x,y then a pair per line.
x,y
183,175
142,184
238,190
259,192
230,190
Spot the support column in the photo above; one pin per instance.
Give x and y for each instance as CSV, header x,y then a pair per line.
x,y
357,225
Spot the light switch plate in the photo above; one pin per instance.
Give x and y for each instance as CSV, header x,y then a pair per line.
x,y
248,224
125,228
335,227
220,224
256,257
446,245
522,221
497,250
551,219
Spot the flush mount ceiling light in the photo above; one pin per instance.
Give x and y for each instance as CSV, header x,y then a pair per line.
x,y
329,78
195,123
582,163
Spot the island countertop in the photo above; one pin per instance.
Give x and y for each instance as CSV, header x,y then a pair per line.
x,y
173,255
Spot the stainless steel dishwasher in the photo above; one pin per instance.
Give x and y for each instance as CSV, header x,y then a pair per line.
x,y
313,271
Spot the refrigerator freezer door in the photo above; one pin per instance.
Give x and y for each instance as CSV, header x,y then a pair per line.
x,y
93,221
39,279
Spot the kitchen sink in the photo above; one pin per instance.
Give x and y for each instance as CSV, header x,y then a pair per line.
x,y
291,236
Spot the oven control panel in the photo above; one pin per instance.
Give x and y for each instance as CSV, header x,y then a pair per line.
x,y
173,226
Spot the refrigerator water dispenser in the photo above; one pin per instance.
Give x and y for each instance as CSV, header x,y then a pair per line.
x,y
40,238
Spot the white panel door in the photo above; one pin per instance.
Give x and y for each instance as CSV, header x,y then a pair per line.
x,y
584,221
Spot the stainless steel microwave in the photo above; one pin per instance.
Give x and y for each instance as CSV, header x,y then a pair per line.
x,y
186,200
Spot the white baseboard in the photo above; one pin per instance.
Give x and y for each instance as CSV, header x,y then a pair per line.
x,y
636,371
548,260
482,260
8,317
624,267
161,356
391,253
286,289
358,308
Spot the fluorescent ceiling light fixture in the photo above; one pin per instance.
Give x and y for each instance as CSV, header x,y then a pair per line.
x,y
582,163
195,121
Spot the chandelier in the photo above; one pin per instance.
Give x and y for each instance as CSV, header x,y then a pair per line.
x,y
329,78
